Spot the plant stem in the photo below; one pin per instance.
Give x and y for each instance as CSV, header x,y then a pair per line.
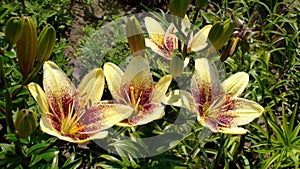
x,y
2,110
195,15
28,79
2,74
220,152
8,111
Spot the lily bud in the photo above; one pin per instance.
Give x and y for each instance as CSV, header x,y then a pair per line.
x,y
46,43
13,31
27,46
25,123
231,48
135,37
220,33
179,7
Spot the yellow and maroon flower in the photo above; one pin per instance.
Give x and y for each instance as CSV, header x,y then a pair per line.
x,y
74,115
135,89
217,104
163,43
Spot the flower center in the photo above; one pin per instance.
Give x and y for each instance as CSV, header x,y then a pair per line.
x,y
220,106
134,101
69,124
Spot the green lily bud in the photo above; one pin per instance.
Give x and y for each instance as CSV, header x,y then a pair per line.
x,y
25,123
27,46
179,7
201,3
46,43
220,33
231,48
13,31
135,37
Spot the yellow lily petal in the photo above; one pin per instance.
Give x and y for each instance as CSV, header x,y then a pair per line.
x,y
137,65
242,112
159,49
233,130
236,84
139,89
205,85
199,40
146,117
207,71
211,124
103,116
232,112
113,75
185,25
150,112
116,114
170,39
45,123
205,30
180,98
45,128
59,90
39,96
161,88
156,32
91,87
137,84
99,135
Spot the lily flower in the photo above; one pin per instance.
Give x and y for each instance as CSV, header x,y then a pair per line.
x,y
217,104
163,43
70,114
135,88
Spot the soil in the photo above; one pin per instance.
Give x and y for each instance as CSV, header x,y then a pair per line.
x,y
96,11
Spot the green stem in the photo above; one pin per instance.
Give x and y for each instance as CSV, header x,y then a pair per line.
x,y
9,115
184,52
28,79
8,111
220,152
196,15
2,74
2,110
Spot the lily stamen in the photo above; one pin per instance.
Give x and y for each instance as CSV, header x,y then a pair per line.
x,y
132,98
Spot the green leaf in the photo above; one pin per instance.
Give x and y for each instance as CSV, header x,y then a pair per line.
x,y
220,33
246,162
11,137
3,12
269,161
40,146
7,147
54,162
74,164
47,156
111,158
179,7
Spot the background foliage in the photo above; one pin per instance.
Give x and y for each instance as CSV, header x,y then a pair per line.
x,y
268,50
